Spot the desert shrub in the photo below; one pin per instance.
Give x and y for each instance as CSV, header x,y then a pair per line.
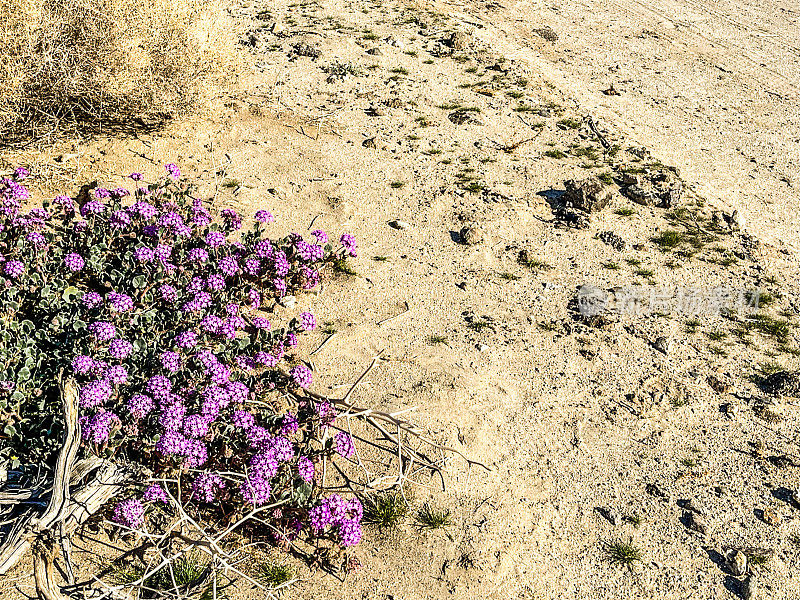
x,y
95,64
159,311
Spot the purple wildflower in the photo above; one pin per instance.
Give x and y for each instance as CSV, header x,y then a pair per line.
x,y
82,364
215,239
264,216
91,299
119,349
344,444
301,376
172,170
305,468
129,513
95,393
140,405
74,262
156,493
348,242
103,330
14,269
143,254
206,486
116,374
243,419
307,321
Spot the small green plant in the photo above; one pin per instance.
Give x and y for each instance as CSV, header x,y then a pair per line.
x,y
509,276
276,575
688,462
449,106
480,325
611,266
399,71
607,178
621,553
396,185
516,95
634,262
716,335
380,258
343,267
625,211
533,263
435,340
187,572
430,517
231,183
554,153
692,325
569,123
634,519
669,239
385,510
642,272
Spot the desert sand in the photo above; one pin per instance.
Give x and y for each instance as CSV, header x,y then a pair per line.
x,y
441,135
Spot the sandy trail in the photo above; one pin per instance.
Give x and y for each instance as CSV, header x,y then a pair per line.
x,y
710,86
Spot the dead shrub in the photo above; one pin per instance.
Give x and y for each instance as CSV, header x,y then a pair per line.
x,y
95,65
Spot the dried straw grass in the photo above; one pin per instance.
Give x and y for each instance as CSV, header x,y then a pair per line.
x,y
92,65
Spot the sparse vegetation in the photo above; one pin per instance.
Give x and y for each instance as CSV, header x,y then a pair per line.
x,y
431,517
385,510
621,553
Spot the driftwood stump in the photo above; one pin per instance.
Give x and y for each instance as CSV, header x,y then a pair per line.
x,y
44,533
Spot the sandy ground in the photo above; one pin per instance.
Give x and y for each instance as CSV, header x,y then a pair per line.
x,y
575,418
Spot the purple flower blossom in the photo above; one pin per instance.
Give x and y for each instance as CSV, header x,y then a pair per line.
x,y
348,242
231,218
344,444
92,207
140,405
117,374
198,255
172,170
243,419
289,424
264,216
14,269
265,358
103,330
256,490
74,262
321,236
260,323
255,299
168,293
307,321
215,239
97,429
207,486
119,302
301,376
171,361
220,374
264,465
196,426
238,392
37,239
65,202
95,393
21,173
119,349
163,252
156,493
82,364
305,468
228,265
91,299
136,176
186,339
129,513
120,219
215,282
172,416
144,254
349,533
101,193
159,386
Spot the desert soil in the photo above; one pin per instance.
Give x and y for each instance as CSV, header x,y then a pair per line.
x,y
446,156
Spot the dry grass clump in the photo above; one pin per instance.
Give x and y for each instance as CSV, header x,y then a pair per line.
x,y
92,65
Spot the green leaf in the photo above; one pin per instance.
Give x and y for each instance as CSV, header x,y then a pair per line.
x,y
70,293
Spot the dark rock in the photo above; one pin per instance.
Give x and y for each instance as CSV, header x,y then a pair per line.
x,y
303,49
719,383
692,506
695,522
464,117
654,490
662,344
610,514
749,588
375,52
612,239
458,41
547,33
736,561
640,195
589,195
472,235
782,383
369,143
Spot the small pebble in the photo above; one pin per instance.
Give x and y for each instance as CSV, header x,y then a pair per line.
x,y
402,225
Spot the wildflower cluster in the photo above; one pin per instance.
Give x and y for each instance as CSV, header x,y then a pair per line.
x,y
159,311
